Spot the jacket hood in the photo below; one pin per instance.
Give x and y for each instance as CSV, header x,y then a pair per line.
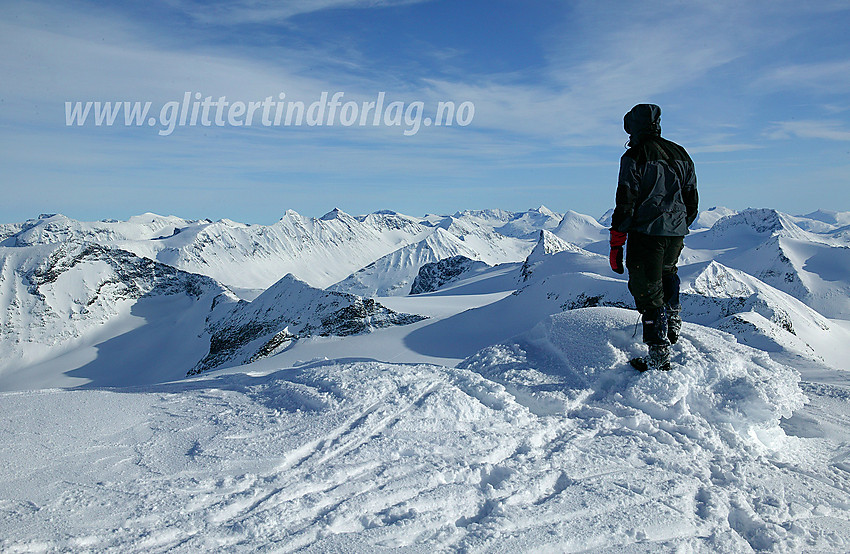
x,y
643,119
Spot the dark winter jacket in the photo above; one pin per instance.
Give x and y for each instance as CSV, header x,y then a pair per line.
x,y
657,188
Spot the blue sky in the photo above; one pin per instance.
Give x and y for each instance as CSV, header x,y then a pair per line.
x,y
756,91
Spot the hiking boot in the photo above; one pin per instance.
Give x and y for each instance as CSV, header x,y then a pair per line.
x,y
658,359
655,328
674,324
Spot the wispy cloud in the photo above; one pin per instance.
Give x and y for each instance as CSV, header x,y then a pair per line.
x,y
723,148
817,129
260,11
588,82
827,77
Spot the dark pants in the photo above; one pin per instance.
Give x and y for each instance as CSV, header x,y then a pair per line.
x,y
653,280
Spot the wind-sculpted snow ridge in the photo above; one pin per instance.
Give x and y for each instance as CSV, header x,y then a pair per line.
x,y
546,443
581,357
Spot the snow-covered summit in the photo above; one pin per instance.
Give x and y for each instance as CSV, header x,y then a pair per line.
x,y
552,255
527,224
707,218
580,229
756,221
830,217
56,228
336,213
547,244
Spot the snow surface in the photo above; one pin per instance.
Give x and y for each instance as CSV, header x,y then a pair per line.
x,y
508,420
547,442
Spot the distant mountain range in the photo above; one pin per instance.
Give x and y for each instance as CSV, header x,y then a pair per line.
x,y
170,296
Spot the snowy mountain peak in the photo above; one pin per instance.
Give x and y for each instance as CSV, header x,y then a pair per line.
x,y
543,210
287,285
830,217
288,311
336,213
493,214
707,218
547,244
525,225
392,274
434,275
760,221
580,229
717,280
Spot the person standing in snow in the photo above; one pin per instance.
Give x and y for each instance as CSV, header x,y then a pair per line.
x,y
656,203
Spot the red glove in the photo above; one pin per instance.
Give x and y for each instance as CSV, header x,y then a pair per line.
x,y
618,239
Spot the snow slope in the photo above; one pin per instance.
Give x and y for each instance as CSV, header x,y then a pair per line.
x,y
75,311
543,443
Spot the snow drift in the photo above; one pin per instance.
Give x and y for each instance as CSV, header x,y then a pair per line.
x,y
581,356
